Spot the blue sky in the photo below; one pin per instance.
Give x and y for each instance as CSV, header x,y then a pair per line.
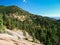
x,y
50,8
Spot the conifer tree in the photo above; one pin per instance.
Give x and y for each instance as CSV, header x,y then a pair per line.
x,y
1,24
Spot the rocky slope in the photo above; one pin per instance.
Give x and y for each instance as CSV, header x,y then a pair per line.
x,y
15,38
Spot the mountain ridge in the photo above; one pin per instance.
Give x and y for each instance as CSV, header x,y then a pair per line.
x,y
44,29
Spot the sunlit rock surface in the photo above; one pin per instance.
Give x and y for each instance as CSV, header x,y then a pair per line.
x,y
15,38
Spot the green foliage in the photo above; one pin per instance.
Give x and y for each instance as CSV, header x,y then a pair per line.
x,y
44,29
1,24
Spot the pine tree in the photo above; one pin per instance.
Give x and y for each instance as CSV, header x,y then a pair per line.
x,y
1,24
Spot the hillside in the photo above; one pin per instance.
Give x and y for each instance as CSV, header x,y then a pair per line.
x,y
44,29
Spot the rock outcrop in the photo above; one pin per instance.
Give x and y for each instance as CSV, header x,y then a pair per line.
x,y
14,38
